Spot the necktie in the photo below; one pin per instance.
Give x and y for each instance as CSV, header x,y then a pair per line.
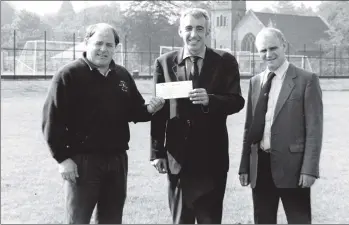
x,y
184,106
258,123
194,73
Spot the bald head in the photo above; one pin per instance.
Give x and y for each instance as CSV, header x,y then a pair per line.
x,y
92,29
271,46
270,31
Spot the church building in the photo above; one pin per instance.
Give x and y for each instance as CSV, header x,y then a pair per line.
x,y
235,29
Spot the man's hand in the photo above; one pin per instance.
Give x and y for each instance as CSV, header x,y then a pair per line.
x,y
244,179
306,181
199,96
68,170
160,165
155,104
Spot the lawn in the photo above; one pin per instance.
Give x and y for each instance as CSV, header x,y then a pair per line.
x,y
31,187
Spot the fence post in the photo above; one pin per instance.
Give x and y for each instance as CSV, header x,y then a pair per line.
x,y
14,54
288,51
340,62
348,59
149,56
141,62
253,62
172,43
303,61
334,60
74,46
234,47
45,54
320,61
125,58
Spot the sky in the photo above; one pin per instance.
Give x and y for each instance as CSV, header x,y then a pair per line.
x,y
48,7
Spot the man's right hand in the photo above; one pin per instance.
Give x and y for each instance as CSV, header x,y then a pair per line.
x,y
68,170
160,165
244,179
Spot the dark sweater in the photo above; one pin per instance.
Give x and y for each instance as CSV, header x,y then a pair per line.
x,y
86,112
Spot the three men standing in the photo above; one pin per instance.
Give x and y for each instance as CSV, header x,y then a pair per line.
x,y
91,101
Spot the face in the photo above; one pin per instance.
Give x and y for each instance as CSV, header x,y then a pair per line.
x,y
193,32
100,48
271,50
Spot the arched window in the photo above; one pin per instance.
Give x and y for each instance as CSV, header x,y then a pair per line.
x,y
247,43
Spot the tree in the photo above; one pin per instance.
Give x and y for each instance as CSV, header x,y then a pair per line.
x,y
288,7
284,7
66,9
7,13
267,10
305,11
28,26
337,15
150,20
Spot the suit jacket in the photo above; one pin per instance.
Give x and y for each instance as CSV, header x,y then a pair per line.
x,y
296,132
197,137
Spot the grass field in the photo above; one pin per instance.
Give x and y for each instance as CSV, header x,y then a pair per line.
x,y
31,187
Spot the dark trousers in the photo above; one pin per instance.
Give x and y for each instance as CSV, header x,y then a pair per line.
x,y
266,196
196,198
102,181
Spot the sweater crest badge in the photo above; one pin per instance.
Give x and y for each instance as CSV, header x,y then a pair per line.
x,y
123,86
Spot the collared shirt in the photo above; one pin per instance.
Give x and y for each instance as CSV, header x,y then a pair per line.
x,y
276,85
189,63
111,65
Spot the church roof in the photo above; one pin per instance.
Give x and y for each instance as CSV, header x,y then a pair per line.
x,y
298,30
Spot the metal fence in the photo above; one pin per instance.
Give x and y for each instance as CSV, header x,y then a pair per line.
x,y
42,58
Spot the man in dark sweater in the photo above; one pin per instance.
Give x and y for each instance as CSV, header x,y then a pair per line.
x,y
85,123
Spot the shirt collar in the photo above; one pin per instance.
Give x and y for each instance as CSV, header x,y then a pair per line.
x,y
187,54
281,71
112,65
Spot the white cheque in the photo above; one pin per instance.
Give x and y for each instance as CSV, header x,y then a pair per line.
x,y
177,89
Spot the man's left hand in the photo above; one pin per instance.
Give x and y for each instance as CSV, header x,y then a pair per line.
x,y
306,181
199,96
155,104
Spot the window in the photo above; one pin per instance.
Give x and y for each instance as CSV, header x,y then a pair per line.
x,y
247,43
221,21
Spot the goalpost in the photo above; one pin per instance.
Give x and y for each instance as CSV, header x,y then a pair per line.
x,y
31,61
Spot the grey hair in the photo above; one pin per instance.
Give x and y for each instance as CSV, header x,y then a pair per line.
x,y
91,30
273,31
196,13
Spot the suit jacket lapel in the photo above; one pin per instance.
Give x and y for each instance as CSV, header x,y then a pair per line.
x,y
257,89
178,74
286,89
178,67
208,67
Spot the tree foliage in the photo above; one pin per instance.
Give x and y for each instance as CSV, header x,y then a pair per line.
x,y
288,7
337,15
7,13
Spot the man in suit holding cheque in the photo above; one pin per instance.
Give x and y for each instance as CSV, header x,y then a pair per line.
x,y
189,138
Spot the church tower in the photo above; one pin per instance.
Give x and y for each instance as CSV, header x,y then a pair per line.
x,y
225,15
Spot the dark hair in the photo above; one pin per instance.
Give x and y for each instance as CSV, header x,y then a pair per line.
x,y
94,27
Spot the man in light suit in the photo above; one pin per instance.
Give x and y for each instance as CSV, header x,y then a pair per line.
x,y
189,138
283,134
